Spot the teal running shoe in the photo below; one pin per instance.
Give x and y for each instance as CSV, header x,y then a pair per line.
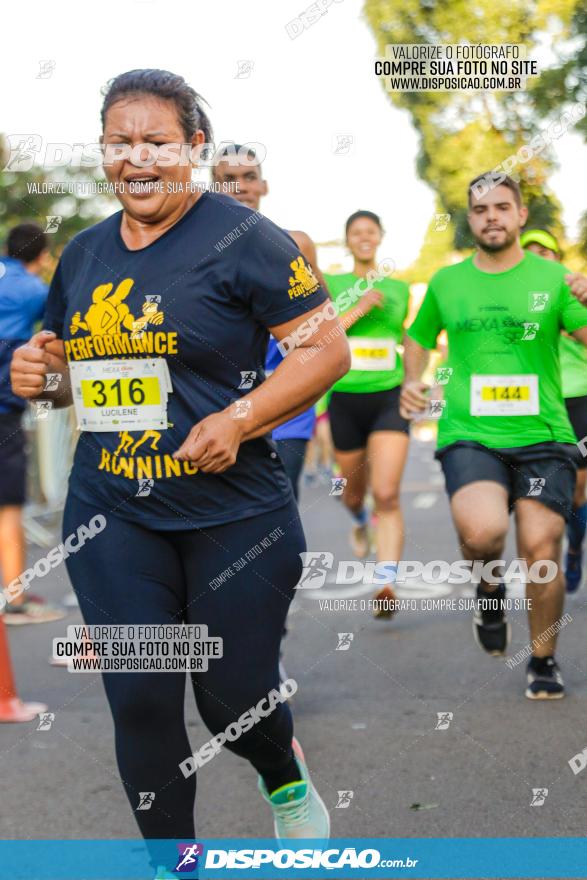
x,y
164,874
298,809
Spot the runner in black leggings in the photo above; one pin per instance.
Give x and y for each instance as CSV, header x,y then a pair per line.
x,y
178,462
130,574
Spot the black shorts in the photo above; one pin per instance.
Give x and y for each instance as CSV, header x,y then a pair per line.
x,y
577,412
354,416
544,471
12,460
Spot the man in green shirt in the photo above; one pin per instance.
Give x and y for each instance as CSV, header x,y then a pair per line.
x,y
573,361
504,441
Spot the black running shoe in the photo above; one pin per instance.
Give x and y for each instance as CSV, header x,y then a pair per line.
x,y
490,628
544,679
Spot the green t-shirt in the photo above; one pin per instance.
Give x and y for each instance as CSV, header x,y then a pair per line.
x,y
321,406
376,365
503,350
573,357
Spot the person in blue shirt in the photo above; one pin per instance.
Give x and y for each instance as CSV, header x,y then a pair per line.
x,y
186,512
22,300
22,303
292,437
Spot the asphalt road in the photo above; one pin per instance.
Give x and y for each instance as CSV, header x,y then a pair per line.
x,y
367,716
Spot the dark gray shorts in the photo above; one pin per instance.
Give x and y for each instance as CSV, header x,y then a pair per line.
x,y
12,460
545,472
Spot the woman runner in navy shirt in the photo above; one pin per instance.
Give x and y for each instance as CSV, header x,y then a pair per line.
x,y
157,320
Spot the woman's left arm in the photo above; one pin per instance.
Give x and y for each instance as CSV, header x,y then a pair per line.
x,y
300,380
303,376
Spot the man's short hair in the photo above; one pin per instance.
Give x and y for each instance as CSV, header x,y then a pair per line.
x,y
231,151
491,179
25,242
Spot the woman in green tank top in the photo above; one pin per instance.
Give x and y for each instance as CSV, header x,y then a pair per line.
x,y
370,436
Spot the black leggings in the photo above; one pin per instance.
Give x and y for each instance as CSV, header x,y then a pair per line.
x,y
292,453
131,575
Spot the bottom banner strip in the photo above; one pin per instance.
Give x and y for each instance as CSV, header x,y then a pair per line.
x,y
227,858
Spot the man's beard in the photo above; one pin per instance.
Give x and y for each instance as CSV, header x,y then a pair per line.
x,y
496,247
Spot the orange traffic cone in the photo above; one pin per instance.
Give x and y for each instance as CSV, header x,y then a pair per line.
x,y
11,707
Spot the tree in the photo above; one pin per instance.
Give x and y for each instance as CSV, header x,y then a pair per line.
x,y
19,202
463,134
566,81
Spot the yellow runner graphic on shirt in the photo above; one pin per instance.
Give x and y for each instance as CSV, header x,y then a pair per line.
x,y
109,314
303,282
139,458
109,329
126,392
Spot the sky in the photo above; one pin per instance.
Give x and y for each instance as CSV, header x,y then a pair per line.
x,y
299,97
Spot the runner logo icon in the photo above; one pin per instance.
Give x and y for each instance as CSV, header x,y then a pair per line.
x,y
435,409
338,484
343,144
441,222
537,484
53,223
46,719
539,795
244,69
444,719
316,564
538,300
247,379
146,799
344,800
344,641
530,330
188,856
443,374
241,409
41,408
52,381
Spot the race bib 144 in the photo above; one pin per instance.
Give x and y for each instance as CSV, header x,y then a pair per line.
x,y
505,395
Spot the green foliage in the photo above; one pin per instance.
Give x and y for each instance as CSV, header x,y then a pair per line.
x,y
566,81
18,204
466,134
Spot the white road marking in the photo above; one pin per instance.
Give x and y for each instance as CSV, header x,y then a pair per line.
x,y
424,500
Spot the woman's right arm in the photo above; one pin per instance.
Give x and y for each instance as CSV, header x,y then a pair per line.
x,y
31,363
373,298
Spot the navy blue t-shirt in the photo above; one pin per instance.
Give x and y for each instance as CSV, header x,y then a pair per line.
x,y
219,277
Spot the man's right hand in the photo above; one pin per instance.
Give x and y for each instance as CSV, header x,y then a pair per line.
x,y
31,363
413,399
